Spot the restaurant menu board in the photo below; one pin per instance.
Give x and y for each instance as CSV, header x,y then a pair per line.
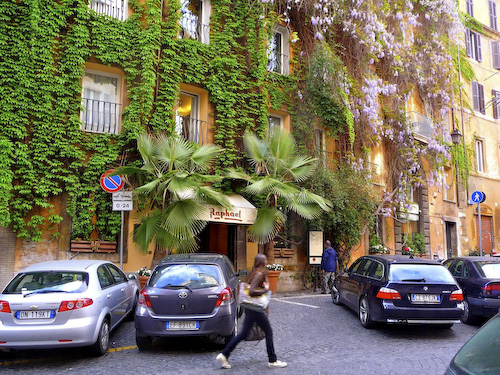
x,y
315,246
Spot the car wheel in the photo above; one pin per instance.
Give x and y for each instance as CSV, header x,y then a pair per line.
x,y
468,317
336,296
144,342
365,313
235,331
100,347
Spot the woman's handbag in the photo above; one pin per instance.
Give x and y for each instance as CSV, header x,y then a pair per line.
x,y
253,303
256,333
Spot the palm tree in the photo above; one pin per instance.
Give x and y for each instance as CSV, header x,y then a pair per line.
x,y
174,188
278,171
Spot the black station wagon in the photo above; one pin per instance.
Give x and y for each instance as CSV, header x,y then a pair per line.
x,y
399,289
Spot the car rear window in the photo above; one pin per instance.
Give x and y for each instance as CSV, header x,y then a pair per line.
x,y
48,281
489,269
193,276
480,354
425,273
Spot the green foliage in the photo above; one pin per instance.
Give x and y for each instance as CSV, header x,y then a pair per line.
x,y
353,203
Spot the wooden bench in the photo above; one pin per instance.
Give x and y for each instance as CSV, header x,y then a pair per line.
x,y
283,253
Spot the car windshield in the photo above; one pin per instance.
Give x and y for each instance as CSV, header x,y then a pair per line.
x,y
190,276
489,269
48,282
426,273
480,354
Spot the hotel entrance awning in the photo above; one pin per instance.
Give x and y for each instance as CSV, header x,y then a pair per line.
x,y
242,212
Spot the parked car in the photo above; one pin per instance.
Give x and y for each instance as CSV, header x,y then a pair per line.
x,y
479,279
66,303
479,355
399,289
188,295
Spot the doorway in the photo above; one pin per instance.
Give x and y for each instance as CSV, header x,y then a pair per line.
x,y
451,239
219,238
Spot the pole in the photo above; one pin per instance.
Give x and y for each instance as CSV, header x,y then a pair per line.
x,y
480,229
121,242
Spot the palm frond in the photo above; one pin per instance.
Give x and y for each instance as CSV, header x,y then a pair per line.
x,y
204,155
267,225
173,153
209,195
257,151
237,175
148,228
262,186
183,217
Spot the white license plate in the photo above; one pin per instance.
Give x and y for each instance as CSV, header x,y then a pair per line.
x,y
41,314
425,298
181,325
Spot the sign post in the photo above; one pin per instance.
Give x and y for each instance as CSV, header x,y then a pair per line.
x,y
479,197
122,201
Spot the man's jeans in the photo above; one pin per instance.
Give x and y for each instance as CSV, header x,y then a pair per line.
x,y
326,286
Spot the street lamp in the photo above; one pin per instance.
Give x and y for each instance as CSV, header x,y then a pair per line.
x,y
456,137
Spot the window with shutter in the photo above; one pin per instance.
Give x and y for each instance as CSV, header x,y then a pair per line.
x,y
493,14
469,8
475,96
468,48
495,103
480,90
479,55
495,54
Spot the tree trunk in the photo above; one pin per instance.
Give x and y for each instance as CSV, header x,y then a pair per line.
x,y
269,251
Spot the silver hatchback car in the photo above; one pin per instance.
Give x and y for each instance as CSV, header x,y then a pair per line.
x,y
65,304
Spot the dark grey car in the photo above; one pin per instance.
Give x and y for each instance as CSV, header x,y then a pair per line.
x,y
188,295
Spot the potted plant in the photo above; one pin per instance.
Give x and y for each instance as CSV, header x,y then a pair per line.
x,y
273,274
143,275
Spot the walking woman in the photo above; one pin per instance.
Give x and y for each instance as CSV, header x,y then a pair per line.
x,y
259,284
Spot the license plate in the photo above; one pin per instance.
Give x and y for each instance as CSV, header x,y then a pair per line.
x,y
190,325
41,314
425,298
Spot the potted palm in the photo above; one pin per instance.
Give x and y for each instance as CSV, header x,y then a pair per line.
x,y
143,276
273,273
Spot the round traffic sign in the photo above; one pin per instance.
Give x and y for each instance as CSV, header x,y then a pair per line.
x,y
478,197
111,184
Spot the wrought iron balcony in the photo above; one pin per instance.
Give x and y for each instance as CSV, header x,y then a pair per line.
x,y
113,8
278,63
99,116
421,126
191,129
376,174
192,29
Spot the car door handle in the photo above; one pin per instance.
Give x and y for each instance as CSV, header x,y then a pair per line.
x,y
122,289
109,295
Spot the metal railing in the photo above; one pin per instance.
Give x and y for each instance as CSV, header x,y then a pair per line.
x,y
278,63
113,8
191,129
421,126
99,116
192,29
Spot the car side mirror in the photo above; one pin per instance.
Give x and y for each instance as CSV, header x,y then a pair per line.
x,y
132,277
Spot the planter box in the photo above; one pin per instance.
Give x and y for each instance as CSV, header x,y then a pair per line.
x,y
93,246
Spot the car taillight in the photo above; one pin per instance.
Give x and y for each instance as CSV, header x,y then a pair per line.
x,y
488,289
75,305
388,293
4,307
144,299
457,296
224,297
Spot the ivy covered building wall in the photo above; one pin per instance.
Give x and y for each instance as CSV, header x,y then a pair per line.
x,y
80,80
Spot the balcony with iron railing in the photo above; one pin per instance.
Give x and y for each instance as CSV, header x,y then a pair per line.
x,y
112,8
376,176
191,129
278,63
99,116
421,126
192,29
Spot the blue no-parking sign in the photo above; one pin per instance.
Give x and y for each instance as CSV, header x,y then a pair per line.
x,y
111,184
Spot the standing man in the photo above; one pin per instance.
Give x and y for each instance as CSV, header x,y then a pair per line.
x,y
328,267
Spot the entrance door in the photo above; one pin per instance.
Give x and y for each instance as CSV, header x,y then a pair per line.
x,y
486,234
219,238
451,239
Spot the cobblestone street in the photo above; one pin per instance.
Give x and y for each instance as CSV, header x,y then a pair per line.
x,y
311,334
